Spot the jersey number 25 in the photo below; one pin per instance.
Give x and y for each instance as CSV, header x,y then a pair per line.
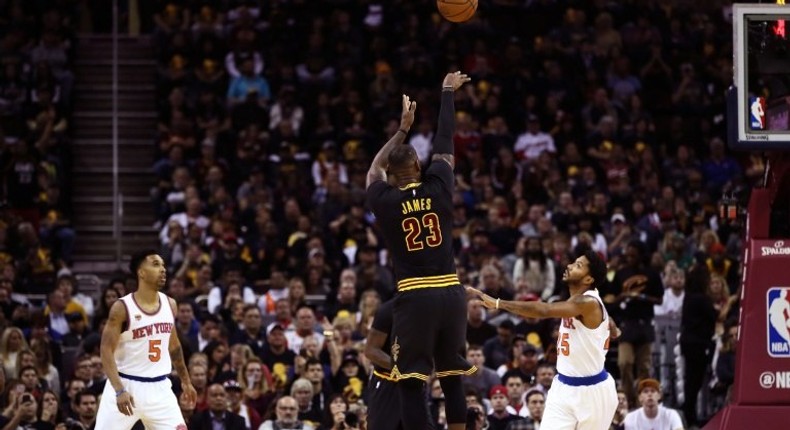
x,y
413,227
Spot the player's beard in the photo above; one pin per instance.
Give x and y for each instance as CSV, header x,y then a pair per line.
x,y
161,282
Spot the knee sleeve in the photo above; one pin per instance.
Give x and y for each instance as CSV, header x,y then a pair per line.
x,y
455,401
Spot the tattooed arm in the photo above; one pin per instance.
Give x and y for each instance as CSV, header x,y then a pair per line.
x,y
177,357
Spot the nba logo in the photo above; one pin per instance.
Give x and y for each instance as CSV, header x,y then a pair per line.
x,y
779,322
757,113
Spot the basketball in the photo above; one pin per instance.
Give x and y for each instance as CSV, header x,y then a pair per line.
x,y
457,10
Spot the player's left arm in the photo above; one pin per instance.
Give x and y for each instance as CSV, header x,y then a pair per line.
x,y
443,142
179,364
579,305
378,168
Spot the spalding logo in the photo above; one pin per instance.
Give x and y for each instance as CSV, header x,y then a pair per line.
x,y
777,249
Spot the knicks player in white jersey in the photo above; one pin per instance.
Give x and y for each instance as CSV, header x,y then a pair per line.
x,y
139,349
583,394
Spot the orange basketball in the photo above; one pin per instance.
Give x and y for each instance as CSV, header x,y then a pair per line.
x,y
457,10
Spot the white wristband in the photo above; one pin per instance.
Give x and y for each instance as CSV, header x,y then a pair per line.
x,y
497,303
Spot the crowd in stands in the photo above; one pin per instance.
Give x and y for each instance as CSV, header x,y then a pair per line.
x,y
588,124
37,43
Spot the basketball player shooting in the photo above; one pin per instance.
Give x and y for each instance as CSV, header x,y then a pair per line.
x,y
140,324
414,212
583,394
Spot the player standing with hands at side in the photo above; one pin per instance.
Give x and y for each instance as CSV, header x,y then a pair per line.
x,y
414,213
583,394
139,327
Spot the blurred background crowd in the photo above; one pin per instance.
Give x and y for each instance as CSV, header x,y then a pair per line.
x,y
593,124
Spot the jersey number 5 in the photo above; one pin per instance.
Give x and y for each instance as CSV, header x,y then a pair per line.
x,y
155,350
563,347
413,227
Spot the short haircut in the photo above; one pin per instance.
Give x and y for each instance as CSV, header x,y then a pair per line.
x,y
474,347
512,374
313,362
205,317
186,302
249,307
470,390
83,357
532,392
83,393
402,156
26,368
305,306
301,384
138,258
597,268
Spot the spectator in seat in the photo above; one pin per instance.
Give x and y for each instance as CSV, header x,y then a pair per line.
x,y
43,362
217,415
484,379
254,334
50,408
652,414
248,85
499,417
478,330
77,330
257,384
535,268
192,215
25,415
68,285
630,299
252,419
516,386
56,311
536,404
530,144
87,406
55,228
286,416
497,349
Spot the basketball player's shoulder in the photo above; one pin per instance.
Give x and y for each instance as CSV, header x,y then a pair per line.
x,y
583,299
170,301
118,315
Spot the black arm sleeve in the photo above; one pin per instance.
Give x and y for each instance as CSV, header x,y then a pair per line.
x,y
443,143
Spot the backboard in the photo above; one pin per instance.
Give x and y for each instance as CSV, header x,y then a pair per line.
x,y
759,101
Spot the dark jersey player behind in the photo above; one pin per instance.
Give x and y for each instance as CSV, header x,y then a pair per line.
x,y
383,398
414,214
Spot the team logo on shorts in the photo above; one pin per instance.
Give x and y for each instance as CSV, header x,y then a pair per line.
x,y
779,322
395,350
181,427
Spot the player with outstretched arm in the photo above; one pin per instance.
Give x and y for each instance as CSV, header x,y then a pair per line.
x,y
583,395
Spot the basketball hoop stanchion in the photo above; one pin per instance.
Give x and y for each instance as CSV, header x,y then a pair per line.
x,y
760,396
761,391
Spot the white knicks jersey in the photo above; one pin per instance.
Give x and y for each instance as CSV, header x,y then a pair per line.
x,y
143,349
581,351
